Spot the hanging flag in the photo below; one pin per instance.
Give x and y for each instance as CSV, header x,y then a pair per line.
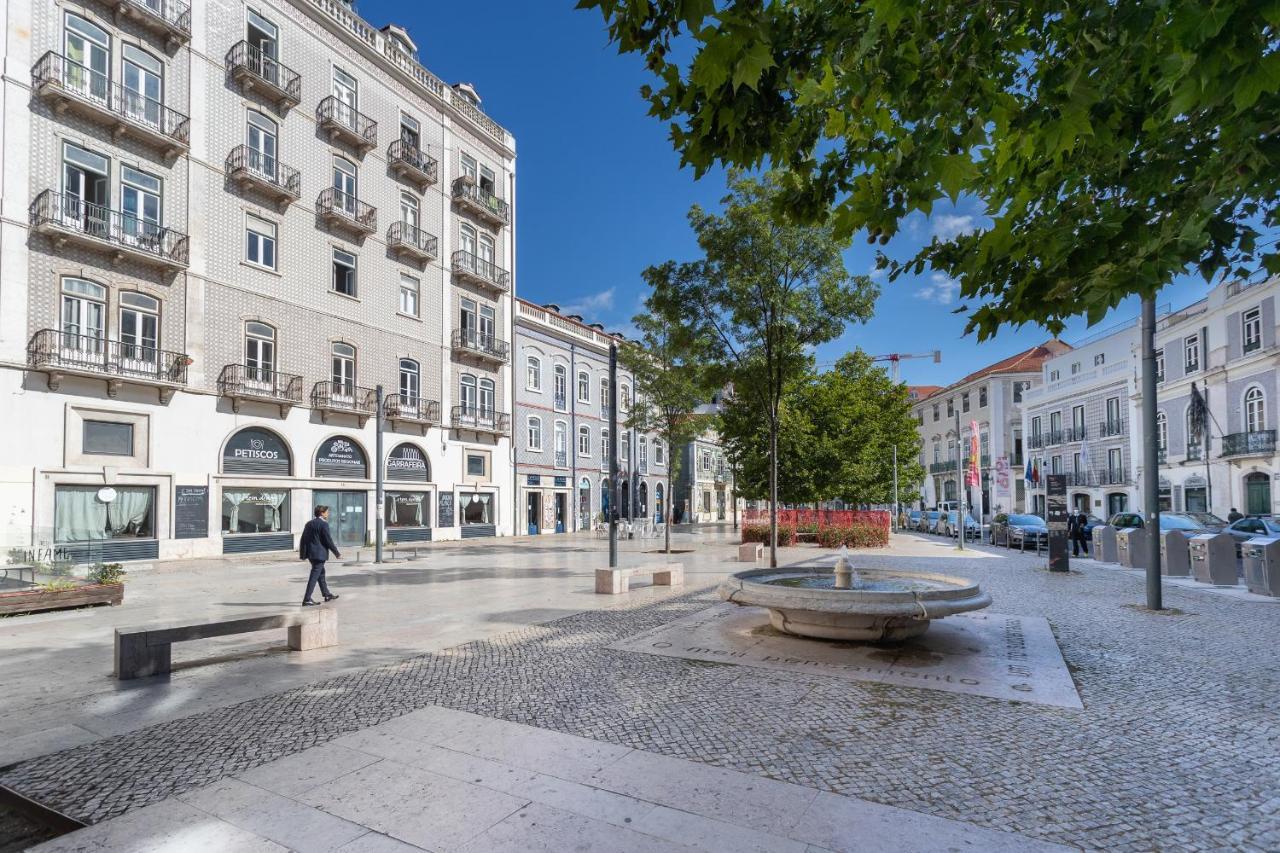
x,y
973,476
1197,420
1084,462
1027,473
1035,472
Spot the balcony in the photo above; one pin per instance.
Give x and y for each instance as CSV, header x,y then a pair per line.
x,y
168,18
408,241
344,211
345,123
65,218
250,168
481,420
1256,443
480,272
485,205
341,398
60,354
942,467
1077,478
1195,452
1035,441
412,165
1110,428
1113,477
1075,433
241,382
480,346
562,459
72,87
1053,437
404,408
255,71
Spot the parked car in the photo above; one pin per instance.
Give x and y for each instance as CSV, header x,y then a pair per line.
x,y
1191,523
1244,529
913,519
972,529
928,520
1023,530
1091,521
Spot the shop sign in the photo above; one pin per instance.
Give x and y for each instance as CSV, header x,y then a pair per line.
x,y
562,482
407,462
256,451
535,479
341,458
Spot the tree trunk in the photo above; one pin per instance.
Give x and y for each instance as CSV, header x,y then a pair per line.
x,y
773,495
667,511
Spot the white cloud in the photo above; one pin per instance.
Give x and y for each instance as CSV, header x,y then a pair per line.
x,y
949,225
941,289
588,306
877,274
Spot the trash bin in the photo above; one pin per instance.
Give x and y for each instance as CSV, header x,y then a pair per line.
x,y
1213,558
1262,565
1175,555
1104,544
1131,547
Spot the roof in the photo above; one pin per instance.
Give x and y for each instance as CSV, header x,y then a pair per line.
x,y
1028,361
919,392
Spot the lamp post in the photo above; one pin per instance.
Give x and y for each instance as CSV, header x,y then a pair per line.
x,y
613,455
1150,460
378,468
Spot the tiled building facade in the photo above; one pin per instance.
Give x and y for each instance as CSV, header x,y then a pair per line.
x,y
224,226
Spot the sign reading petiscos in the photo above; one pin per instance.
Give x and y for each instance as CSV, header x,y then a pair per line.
x,y
253,450
408,463
341,458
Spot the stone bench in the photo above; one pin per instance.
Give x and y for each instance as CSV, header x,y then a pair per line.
x,y
147,650
618,581
750,552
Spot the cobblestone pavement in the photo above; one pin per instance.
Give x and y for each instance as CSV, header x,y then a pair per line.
x,y
1178,746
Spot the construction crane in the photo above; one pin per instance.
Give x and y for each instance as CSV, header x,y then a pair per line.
x,y
894,358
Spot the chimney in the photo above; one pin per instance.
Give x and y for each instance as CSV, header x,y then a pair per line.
x,y
551,306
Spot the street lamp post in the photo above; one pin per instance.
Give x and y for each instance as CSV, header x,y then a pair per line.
x,y
613,455
1150,460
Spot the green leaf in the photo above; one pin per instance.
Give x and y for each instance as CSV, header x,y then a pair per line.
x,y
759,56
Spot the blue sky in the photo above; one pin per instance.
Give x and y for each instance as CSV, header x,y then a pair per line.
x,y
600,194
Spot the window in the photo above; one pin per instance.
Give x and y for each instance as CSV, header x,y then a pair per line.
x,y
951,407
409,212
139,327
1100,359
1075,368
584,440
1160,365
84,315
1018,388
410,381
584,387
1054,375
1035,427
560,391
488,182
78,515
643,451
533,373
488,253
476,464
259,352
964,402
344,185
409,132
142,86
1162,432
139,206
264,36
1077,421
408,295
1255,418
344,368
467,393
1191,350
535,433
561,443
982,397
1055,465
470,168
88,52
1193,440
84,186
345,89
935,412
255,511
1075,464
1251,321
477,507
624,398
604,446
486,402
937,452
344,273
261,136
407,509
659,452
1113,415
260,242
1055,426
108,438
604,396
467,238
1115,466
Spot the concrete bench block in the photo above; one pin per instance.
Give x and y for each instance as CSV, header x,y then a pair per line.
x,y
618,581
750,552
316,634
135,658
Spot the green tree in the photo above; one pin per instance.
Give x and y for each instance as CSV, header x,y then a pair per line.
x,y
745,438
1113,145
668,368
767,289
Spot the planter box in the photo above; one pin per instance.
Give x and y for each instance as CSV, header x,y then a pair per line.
x,y
33,600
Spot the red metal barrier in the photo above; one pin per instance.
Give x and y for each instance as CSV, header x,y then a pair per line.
x,y
820,517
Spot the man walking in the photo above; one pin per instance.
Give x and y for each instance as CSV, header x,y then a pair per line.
x,y
315,546
1079,534
1234,516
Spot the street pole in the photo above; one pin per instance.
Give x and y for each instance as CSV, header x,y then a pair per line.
x,y
378,468
613,455
896,510
961,489
1150,461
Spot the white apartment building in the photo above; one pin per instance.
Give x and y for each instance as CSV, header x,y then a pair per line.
x,y
224,225
1080,421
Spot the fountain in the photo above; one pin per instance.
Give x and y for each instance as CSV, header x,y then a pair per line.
x,y
876,605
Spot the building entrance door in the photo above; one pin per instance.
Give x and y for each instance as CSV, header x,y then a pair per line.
x,y
562,511
1257,494
347,519
1116,502
533,512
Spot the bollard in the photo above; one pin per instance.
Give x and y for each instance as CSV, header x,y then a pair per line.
x,y
1262,565
1105,549
1175,554
1213,558
1131,547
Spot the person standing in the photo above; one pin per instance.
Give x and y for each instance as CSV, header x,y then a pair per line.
x,y
1080,534
1234,516
315,545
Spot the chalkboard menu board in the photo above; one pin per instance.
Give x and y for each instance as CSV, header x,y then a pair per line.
x,y
1056,520
190,512
444,509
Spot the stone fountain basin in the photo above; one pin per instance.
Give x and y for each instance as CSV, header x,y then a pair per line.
x,y
897,606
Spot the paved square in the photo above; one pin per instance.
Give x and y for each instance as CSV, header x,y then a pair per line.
x,y
984,654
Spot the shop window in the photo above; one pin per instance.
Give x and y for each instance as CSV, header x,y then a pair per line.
x,y
477,508
80,513
249,511
407,509
108,438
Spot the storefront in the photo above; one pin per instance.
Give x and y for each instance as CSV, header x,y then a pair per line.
x,y
105,523
546,504
255,516
341,458
407,500
476,514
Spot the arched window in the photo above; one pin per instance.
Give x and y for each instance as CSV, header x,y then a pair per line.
x,y
139,327
535,433
261,136
84,315
467,394
584,440
344,368
624,398
1162,431
560,387
584,387
486,402
1192,439
344,185
410,381
604,447
1255,417
604,395
659,452
644,451
561,445
533,373
259,352
409,213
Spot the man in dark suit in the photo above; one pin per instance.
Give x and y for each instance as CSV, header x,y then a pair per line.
x,y
315,546
1079,534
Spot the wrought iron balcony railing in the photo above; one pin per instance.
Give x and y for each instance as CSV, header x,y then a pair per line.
x,y
412,164
347,211
479,271
1077,478
481,202
1035,441
246,382
1052,437
407,407
65,217
486,346
253,69
562,459
481,419
560,403
70,85
59,353
250,167
343,398
345,122
412,242
1110,428
171,18
1112,477
1255,443
1074,433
